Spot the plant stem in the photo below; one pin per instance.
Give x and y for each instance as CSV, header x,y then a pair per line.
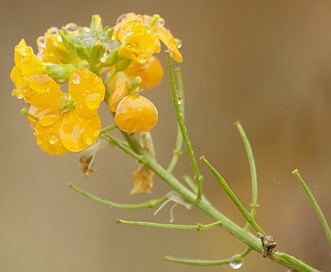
x,y
246,237
148,204
235,259
251,161
315,204
233,197
176,101
179,139
198,227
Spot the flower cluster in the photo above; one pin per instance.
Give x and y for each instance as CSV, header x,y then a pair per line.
x,y
76,68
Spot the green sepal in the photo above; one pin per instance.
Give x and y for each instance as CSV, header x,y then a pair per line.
x,y
122,64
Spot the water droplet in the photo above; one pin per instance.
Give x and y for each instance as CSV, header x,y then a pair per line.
x,y
179,43
76,79
96,133
236,265
39,141
53,30
93,100
180,100
71,27
89,141
47,120
120,18
142,58
160,22
53,139
41,42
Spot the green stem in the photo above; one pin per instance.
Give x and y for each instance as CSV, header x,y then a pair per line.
x,y
251,161
180,117
235,259
233,197
246,237
26,112
179,139
148,204
315,204
199,227
108,128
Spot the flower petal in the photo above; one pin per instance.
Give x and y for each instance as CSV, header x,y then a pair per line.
x,y
88,90
48,139
136,114
42,92
77,133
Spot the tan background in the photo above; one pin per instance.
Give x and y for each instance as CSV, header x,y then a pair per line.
x,y
265,63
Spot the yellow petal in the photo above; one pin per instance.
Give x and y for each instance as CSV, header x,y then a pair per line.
x,y
117,95
88,90
77,133
42,92
173,44
136,114
48,139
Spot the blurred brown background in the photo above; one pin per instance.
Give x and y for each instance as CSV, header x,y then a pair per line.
x,y
265,63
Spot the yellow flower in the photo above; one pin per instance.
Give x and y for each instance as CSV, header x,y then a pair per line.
x,y
136,113
26,64
140,37
65,121
150,72
51,48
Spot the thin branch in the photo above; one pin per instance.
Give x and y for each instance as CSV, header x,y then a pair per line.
x,y
233,197
315,204
251,161
199,227
177,101
148,204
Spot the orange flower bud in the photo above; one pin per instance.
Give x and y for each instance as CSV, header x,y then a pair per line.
x,y
136,114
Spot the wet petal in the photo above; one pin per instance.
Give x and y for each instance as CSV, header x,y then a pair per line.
x,y
42,92
117,95
78,133
88,90
48,139
136,114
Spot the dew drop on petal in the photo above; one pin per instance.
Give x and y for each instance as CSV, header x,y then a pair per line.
x,y
41,42
160,22
92,101
48,120
142,58
96,133
53,139
39,141
54,30
71,27
76,78
179,43
236,265
120,18
89,141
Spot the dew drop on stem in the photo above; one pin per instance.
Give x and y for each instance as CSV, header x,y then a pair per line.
x,y
235,265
